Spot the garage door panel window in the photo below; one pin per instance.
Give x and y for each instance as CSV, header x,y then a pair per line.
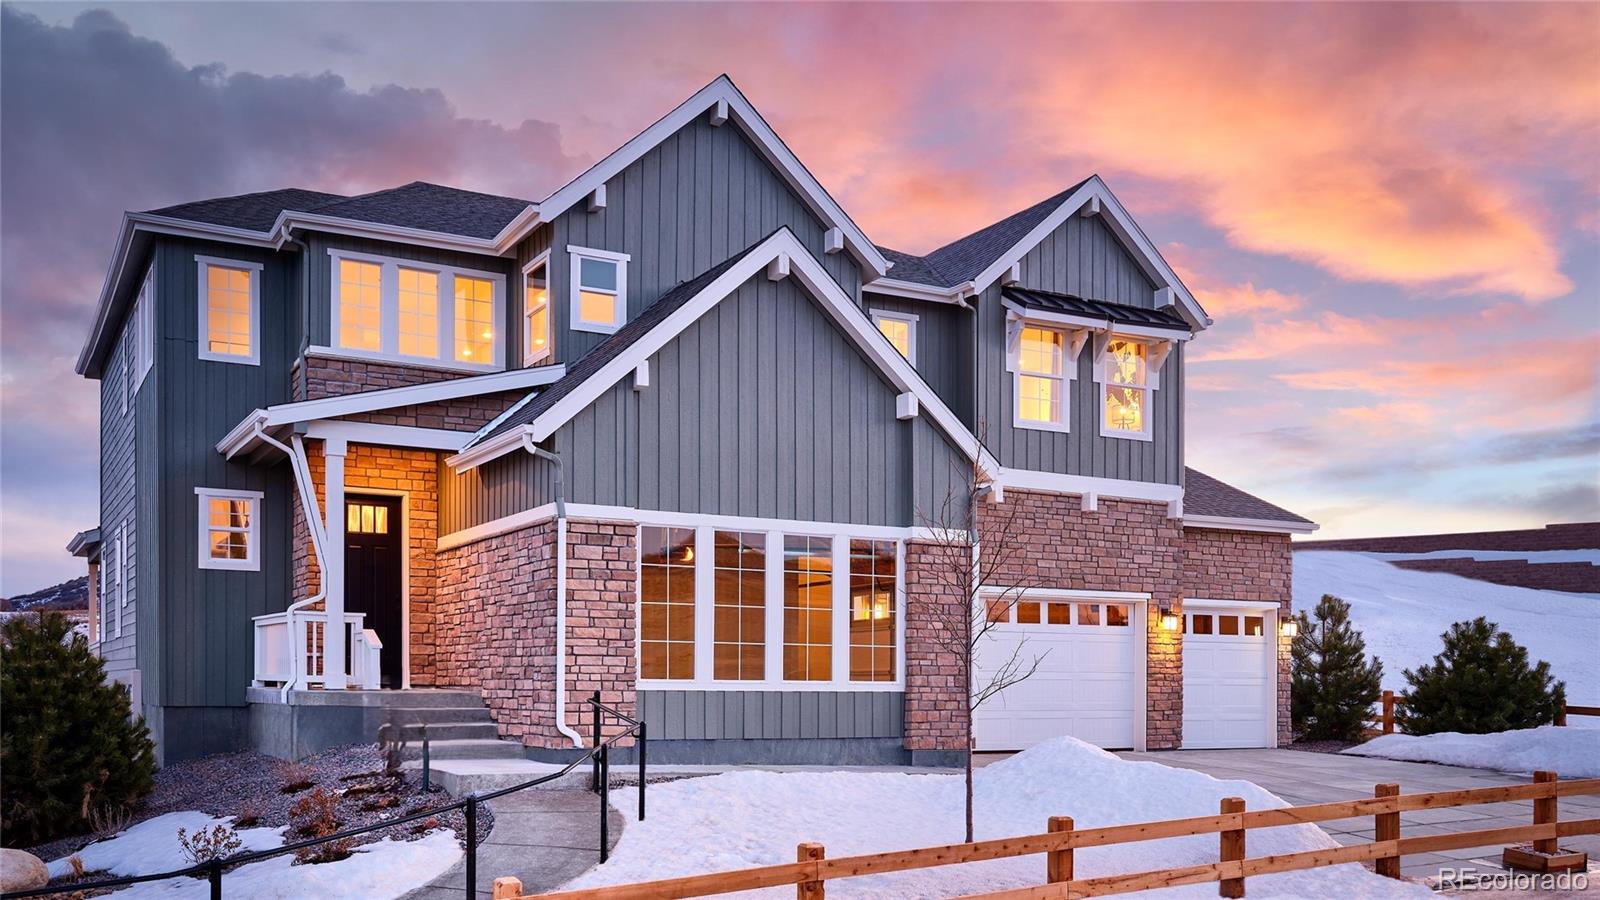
x,y
1254,626
1228,625
1199,624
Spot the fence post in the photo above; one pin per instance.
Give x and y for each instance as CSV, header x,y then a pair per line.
x,y
605,801
1388,712
1544,813
809,890
594,707
1058,863
1561,715
1231,849
214,875
1386,827
507,888
641,771
472,847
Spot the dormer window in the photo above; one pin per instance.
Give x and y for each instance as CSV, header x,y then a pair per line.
x,y
1041,378
536,311
1124,377
408,311
900,329
599,290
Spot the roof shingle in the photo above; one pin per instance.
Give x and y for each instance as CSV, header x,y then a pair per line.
x,y
432,207
252,212
1206,496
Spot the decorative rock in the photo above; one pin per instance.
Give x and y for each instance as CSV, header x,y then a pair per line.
x,y
21,871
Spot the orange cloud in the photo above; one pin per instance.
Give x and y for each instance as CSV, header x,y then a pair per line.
x,y
1329,332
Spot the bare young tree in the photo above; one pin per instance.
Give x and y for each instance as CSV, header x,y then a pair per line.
x,y
978,570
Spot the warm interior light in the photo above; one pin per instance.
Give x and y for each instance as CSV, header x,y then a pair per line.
x,y
1290,628
1169,621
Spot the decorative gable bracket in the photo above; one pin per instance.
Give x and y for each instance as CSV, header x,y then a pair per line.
x,y
1077,337
1158,349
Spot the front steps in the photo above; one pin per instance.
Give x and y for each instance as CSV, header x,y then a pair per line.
x,y
457,723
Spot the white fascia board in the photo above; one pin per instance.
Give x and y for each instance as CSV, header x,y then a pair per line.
x,y
390,435
288,221
913,291
713,96
1055,483
1227,523
477,454
1122,225
989,590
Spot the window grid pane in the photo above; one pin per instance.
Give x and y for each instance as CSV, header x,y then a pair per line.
x,y
536,297
1126,394
807,608
360,305
1038,398
228,311
597,308
1040,351
898,331
739,604
872,610
419,313
666,602
474,319
228,528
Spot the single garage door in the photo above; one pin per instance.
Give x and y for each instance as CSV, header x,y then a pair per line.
x,y
1085,683
1228,683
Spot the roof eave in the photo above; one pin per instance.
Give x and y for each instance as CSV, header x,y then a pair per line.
x,y
1232,523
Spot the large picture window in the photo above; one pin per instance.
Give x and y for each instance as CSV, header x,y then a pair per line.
x,y
807,609
412,312
666,602
872,610
739,643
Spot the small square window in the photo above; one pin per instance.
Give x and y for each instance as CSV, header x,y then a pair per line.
x,y
230,528
1058,613
599,289
1253,626
1028,612
900,329
1116,615
1228,625
1199,624
1088,614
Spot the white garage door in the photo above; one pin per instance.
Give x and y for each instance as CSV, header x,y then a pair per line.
x,y
1084,686
1228,685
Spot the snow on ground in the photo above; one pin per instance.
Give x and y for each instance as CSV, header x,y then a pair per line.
x,y
1569,752
1402,613
1592,557
751,818
387,868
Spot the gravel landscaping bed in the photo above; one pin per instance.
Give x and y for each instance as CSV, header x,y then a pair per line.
x,y
259,790
1323,746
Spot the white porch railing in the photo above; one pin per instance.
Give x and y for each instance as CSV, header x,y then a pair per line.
x,y
282,639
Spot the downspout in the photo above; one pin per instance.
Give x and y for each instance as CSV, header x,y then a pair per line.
x,y
561,591
308,502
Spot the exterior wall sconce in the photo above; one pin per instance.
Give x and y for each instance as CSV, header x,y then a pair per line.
x,y
1170,621
1290,628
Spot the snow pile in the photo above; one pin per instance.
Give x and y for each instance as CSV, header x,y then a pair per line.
x,y
1592,557
387,868
1402,613
1569,752
743,819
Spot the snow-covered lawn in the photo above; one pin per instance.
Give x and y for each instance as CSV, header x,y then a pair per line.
x,y
1569,752
1402,613
387,868
743,819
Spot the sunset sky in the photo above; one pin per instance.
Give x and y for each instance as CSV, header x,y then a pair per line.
x,y
1393,212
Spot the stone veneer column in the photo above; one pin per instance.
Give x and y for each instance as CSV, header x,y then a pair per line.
x,y
936,679
602,562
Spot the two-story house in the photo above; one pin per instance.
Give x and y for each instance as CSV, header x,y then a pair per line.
x,y
680,433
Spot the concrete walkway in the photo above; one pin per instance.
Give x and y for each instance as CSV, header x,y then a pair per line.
x,y
544,837
1305,778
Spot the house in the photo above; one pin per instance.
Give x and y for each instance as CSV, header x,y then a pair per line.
x,y
674,433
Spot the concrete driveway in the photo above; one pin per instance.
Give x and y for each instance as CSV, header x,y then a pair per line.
x,y
1304,778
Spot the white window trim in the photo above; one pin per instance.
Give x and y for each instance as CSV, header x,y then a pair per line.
x,y
1070,345
578,254
252,561
126,386
528,356
122,573
389,313
878,315
1102,365
144,312
705,613
255,269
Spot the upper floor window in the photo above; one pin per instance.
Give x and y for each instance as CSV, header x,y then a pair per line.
x,y
536,311
230,529
1125,389
1041,378
144,318
230,310
900,329
599,289
406,311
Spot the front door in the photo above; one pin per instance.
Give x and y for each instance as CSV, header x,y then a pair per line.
x,y
373,557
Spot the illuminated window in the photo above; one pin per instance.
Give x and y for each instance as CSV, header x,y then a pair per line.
x,y
666,603
366,518
1124,386
536,313
230,301
807,608
229,529
872,610
900,329
599,289
419,313
1041,378
474,304
360,305
1253,626
739,607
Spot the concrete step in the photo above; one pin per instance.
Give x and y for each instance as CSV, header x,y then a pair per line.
x,y
440,714
467,749
417,698
460,777
452,731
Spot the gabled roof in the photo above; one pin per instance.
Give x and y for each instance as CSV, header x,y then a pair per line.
x,y
963,259
1165,319
1209,502
431,207
252,212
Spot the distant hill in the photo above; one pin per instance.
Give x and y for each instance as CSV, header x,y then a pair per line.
x,y
72,594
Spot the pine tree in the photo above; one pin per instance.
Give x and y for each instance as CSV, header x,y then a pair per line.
x,y
69,745
1481,683
1334,686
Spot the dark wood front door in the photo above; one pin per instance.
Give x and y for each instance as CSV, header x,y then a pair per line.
x,y
373,557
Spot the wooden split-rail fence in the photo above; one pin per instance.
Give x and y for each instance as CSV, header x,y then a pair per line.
x,y
812,869
1382,720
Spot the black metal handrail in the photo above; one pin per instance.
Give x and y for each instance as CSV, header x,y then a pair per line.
x,y
599,754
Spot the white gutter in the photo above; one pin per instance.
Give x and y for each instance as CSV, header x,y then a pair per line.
x,y
561,593
308,502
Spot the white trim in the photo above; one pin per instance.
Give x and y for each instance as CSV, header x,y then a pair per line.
x,y
619,297
389,312
496,246
1228,523
122,574
1229,604
203,301
1054,483
530,358
1071,345
389,435
909,319
911,290
252,560
405,574
1047,593
144,317
720,95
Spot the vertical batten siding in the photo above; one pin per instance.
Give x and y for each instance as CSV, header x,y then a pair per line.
x,y
1083,258
944,347
697,198
206,634
118,507
757,715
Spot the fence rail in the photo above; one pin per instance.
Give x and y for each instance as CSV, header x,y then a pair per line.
x,y
812,869
1383,720
599,752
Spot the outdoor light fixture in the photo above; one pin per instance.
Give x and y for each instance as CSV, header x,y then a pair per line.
x,y
1289,628
1169,621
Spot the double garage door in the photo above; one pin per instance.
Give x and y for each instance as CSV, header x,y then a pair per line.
x,y
1090,675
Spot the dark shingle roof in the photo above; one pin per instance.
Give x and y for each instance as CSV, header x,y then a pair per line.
x,y
579,372
432,207
253,212
963,259
1206,496
1068,304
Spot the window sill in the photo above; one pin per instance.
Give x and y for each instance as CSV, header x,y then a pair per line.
x,y
207,356
594,328
415,362
1056,427
1126,435
231,565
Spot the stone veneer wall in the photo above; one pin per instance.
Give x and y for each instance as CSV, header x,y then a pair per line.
x,y
1245,565
316,377
936,684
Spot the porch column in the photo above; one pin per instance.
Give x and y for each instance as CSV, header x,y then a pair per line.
x,y
333,664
